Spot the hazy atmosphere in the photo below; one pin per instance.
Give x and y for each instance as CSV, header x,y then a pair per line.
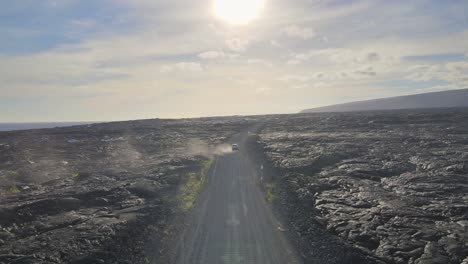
x,y
105,60
234,131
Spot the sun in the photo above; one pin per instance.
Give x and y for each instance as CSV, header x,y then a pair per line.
x,y
238,12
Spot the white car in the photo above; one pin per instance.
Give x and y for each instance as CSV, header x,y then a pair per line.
x,y
235,147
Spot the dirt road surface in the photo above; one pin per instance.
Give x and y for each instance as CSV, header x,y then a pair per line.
x,y
232,222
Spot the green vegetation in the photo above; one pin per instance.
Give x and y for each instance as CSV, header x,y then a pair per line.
x,y
12,174
13,189
190,190
205,167
269,192
193,185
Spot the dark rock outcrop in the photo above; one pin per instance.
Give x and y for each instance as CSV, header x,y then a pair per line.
x,y
392,184
101,193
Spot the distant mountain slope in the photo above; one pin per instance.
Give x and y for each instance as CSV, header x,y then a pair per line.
x,y
453,98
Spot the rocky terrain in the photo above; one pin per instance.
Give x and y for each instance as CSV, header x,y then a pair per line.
x,y
393,185
102,193
371,187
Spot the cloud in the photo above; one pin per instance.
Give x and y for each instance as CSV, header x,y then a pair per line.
x,y
348,55
263,89
332,77
214,55
295,31
209,55
342,56
367,71
275,43
454,73
261,62
237,44
293,62
372,56
182,66
143,67
294,78
438,88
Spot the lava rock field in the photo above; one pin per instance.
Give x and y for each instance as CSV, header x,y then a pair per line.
x,y
101,193
393,184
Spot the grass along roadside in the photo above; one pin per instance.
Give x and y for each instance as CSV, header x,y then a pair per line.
x,y
269,192
13,189
193,183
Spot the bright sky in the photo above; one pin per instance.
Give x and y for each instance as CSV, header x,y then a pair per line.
x,y
70,60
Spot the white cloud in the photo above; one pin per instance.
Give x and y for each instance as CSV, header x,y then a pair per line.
x,y
263,89
209,55
213,55
293,62
454,73
237,44
342,57
141,63
294,78
275,43
347,55
331,76
295,31
438,88
261,62
182,66
367,71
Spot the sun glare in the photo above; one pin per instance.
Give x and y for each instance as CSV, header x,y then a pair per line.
x,y
238,11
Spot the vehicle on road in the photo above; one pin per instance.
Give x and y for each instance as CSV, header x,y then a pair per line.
x,y
235,147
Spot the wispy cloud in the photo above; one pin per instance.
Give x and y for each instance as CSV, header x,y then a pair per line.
x,y
208,55
294,31
182,66
237,44
134,59
214,55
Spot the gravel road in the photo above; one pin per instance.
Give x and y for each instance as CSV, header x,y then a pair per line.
x,y
232,221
